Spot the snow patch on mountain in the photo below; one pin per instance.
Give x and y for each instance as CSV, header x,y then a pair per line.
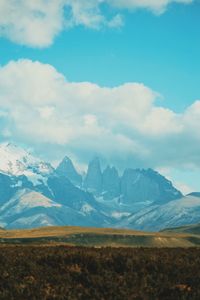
x,y
87,209
119,215
16,161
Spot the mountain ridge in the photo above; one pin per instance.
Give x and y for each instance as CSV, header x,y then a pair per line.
x,y
103,198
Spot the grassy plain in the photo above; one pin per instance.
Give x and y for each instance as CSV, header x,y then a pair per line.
x,y
99,237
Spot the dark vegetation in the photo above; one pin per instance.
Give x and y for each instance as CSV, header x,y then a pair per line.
x,y
63,272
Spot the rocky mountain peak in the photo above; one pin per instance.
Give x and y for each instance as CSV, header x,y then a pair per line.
x,y
93,179
139,185
66,168
110,183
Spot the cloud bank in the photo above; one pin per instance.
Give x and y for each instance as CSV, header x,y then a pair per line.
x,y
39,107
36,23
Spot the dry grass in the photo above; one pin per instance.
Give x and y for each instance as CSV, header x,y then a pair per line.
x,y
89,236
52,231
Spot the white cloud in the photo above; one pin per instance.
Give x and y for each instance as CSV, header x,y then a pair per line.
x,y
33,23
157,6
192,117
122,123
3,114
36,23
6,133
163,117
46,112
116,22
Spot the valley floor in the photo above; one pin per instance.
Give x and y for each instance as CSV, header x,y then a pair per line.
x,y
63,272
98,237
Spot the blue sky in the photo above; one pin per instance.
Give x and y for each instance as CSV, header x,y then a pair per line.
x,y
110,45
160,51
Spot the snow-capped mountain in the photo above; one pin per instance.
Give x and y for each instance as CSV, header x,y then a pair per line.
x,y
31,188
16,161
33,193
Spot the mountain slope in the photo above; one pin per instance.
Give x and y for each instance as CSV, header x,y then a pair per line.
x,y
26,205
174,213
193,229
28,209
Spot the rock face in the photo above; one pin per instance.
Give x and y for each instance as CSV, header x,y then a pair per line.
x,y
7,188
64,192
110,183
146,186
67,169
135,185
9,185
93,179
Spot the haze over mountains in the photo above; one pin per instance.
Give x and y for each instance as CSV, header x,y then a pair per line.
x,y
33,194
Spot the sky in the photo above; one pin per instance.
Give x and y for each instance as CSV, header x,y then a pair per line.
x,y
115,78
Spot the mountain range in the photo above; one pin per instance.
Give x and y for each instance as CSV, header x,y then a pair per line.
x,y
33,194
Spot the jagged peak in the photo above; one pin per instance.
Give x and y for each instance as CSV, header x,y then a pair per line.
x,y
67,162
94,164
110,169
66,168
67,159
